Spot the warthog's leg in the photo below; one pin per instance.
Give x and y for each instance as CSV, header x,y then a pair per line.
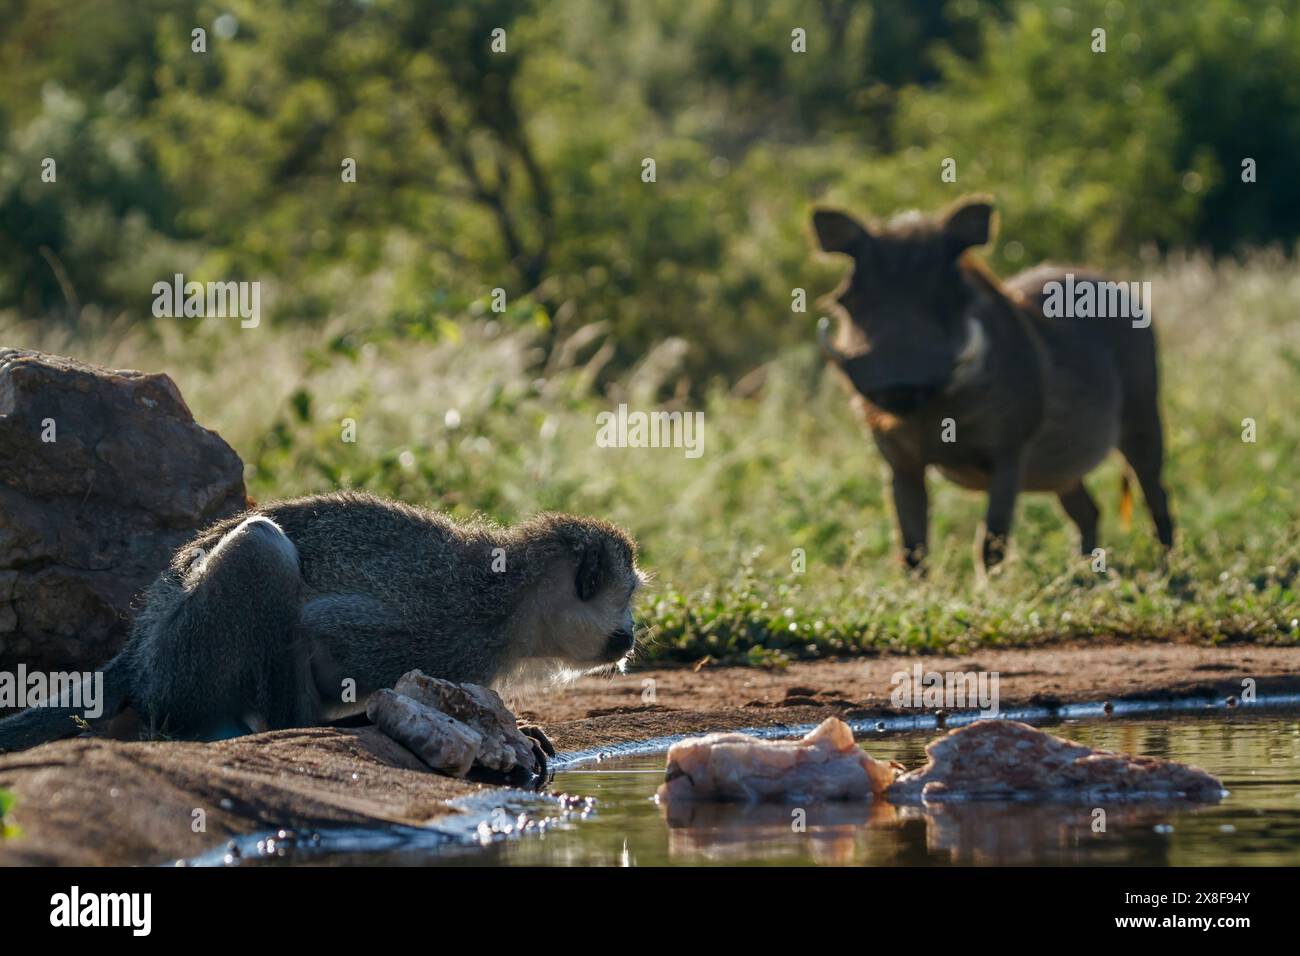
x,y
1004,486
1143,446
912,509
1082,510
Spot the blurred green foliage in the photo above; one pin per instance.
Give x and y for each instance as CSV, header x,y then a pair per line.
x,y
457,417
522,169
6,804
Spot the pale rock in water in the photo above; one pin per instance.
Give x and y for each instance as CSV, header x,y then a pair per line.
x,y
986,760
825,765
1008,760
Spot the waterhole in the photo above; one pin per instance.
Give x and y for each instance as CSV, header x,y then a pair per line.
x,y
610,817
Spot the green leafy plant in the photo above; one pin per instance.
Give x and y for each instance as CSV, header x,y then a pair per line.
x,y
7,829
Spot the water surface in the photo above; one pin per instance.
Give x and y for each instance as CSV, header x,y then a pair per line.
x,y
609,817
1256,824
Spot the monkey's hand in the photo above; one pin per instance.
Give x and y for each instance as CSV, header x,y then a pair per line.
x,y
542,747
539,735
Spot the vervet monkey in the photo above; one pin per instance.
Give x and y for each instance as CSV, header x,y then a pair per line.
x,y
291,615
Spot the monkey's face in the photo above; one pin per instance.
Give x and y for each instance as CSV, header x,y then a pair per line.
x,y
580,613
605,582
585,604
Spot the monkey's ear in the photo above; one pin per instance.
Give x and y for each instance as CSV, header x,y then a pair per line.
x,y
587,581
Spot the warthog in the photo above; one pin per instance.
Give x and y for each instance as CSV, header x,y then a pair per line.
x,y
955,369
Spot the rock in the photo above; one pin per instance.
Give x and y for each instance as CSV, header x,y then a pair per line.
x,y
825,765
453,727
503,746
94,802
442,742
1007,760
88,519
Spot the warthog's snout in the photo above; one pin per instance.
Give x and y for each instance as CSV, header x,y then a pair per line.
x,y
902,399
896,380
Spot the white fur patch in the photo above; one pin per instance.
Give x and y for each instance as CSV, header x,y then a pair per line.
x,y
273,535
970,360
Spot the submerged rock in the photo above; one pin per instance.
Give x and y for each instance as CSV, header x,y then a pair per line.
x,y
825,765
1008,760
455,728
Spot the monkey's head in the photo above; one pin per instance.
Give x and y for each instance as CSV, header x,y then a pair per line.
x,y
584,597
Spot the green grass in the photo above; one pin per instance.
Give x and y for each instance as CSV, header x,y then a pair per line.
x,y
6,804
785,466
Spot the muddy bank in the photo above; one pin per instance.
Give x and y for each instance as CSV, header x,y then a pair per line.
x,y
92,802
96,801
601,710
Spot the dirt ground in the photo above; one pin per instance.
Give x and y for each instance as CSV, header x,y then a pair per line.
x,y
599,710
93,801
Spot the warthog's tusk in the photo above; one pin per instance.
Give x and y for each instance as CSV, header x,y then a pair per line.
x,y
824,340
972,351
970,360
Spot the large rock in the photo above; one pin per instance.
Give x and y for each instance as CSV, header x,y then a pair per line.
x,y
103,474
92,802
1008,760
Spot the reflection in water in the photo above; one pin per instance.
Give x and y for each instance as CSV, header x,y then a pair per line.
x,y
730,833
980,833
1024,834
1258,823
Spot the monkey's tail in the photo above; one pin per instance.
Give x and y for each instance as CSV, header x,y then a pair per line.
x,y
1125,501
38,725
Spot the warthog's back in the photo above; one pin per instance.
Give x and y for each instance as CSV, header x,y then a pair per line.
x,y
1133,346
1096,365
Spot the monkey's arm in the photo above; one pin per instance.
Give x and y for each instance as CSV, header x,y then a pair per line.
x,y
357,645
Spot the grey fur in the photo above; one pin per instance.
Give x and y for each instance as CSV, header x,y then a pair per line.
x,y
263,617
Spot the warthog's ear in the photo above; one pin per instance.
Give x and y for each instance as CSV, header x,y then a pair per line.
x,y
970,223
838,231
